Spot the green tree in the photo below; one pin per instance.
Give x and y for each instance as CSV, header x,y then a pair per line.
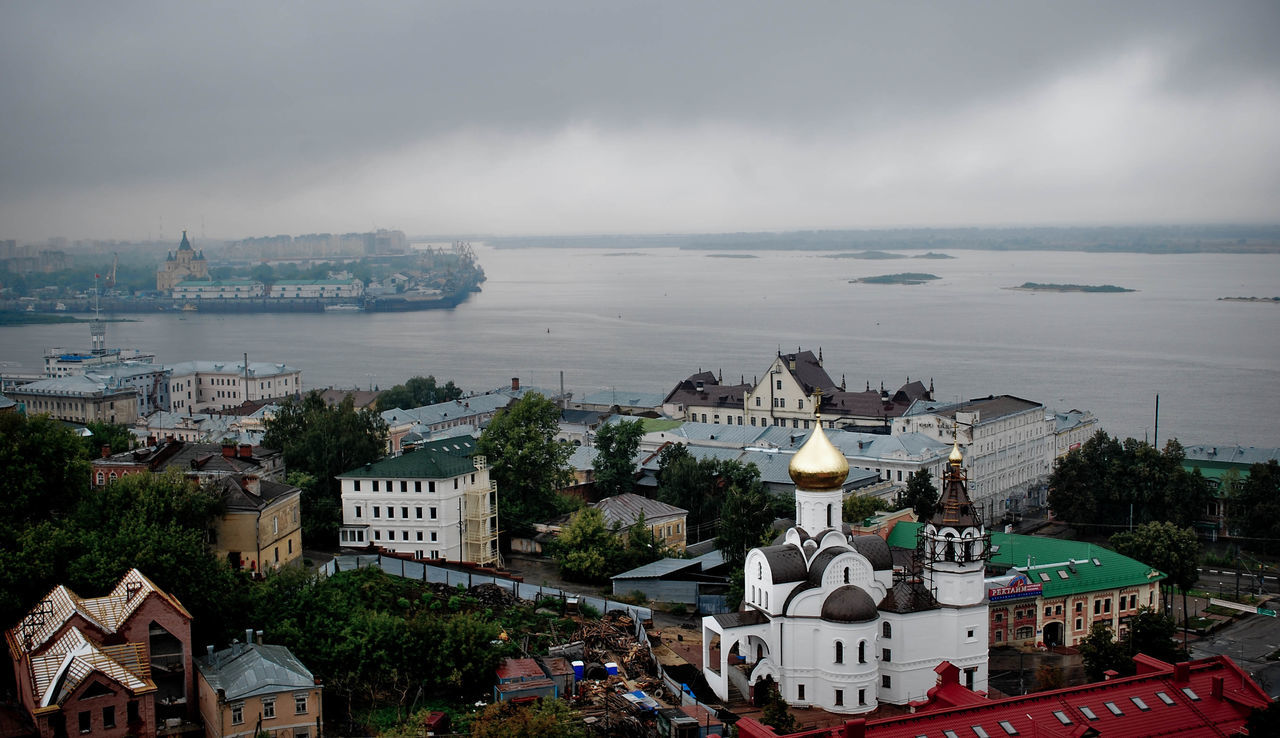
x,y
615,463
527,461
1152,633
586,549
1101,653
746,521
1049,676
263,273
776,714
115,435
417,392
325,441
921,495
1106,480
1171,549
545,718
1254,503
859,507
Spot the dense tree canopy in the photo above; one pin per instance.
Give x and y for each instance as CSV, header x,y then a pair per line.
x,y
544,718
527,461
417,392
615,463
1150,632
324,441
701,486
1169,548
1106,481
921,495
859,507
115,435
1254,505
588,550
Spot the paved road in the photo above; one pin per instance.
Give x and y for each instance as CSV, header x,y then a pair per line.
x,y
1220,579
1248,642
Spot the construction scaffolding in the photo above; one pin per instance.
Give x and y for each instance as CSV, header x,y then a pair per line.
x,y
480,521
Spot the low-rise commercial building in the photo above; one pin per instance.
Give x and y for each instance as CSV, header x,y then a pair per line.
x,y
217,289
196,386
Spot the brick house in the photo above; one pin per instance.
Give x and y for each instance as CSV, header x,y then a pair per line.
x,y
110,666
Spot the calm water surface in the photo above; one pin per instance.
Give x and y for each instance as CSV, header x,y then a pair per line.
x,y
644,319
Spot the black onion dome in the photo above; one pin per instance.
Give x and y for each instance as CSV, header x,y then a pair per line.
x,y
849,604
876,550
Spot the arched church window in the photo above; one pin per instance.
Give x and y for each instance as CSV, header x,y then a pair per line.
x,y
828,516
846,575
886,630
766,600
759,570
862,652
949,553
839,652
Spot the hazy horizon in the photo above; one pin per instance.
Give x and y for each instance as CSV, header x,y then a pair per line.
x,y
135,120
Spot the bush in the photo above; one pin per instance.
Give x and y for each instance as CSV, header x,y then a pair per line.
x,y
588,611
679,609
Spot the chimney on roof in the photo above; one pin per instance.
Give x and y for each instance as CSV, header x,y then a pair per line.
x,y
1215,687
252,484
1109,674
151,440
855,728
258,638
106,450
229,450
515,384
248,636
209,653
246,451
1181,671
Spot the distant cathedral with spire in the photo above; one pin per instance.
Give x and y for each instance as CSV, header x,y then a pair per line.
x,y
832,620
184,264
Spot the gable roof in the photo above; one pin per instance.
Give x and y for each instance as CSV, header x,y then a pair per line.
x,y
625,509
108,612
69,661
248,670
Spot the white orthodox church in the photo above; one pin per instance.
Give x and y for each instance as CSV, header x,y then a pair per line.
x,y
826,617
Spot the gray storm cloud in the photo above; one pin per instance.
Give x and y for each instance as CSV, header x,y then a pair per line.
x,y
566,117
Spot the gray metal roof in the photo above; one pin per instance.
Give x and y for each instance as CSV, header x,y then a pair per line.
x,y
1232,454
624,397
625,509
248,670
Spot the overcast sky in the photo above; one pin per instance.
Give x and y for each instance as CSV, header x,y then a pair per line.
x,y
239,119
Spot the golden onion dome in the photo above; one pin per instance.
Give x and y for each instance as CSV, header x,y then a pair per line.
x,y
956,457
818,465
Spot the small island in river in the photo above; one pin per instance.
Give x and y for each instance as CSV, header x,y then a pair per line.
x,y
933,255
1251,299
865,255
1039,287
902,278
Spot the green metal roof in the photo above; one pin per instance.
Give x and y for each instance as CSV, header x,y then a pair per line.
x,y
655,425
442,459
1034,555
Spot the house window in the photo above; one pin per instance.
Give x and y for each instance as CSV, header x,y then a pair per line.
x,y
1106,605
886,654
862,696
377,535
404,486
391,511
885,681
418,512
419,538
357,511
300,704
433,536
375,485
237,713
109,717
377,511
886,630
85,721
417,486
1097,607
404,512
839,652
1079,606
431,512
839,697
268,707
1079,624
431,486
355,486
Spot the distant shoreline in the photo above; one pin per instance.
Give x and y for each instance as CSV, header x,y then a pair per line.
x,y
23,317
1275,300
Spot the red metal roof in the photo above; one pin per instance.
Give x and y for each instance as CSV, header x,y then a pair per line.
x,y
519,670
1208,697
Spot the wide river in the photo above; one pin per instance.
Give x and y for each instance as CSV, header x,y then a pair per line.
x,y
644,319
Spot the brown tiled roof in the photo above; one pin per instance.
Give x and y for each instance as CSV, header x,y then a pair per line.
x,y
808,372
